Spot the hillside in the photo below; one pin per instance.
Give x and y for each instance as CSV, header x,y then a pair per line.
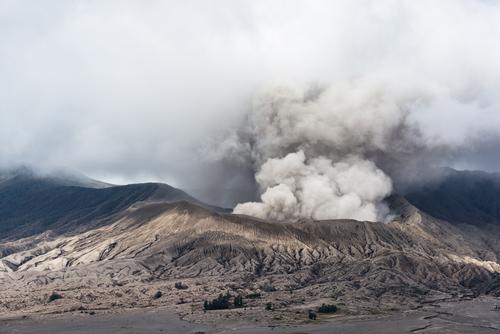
x,y
116,247
150,246
32,204
467,197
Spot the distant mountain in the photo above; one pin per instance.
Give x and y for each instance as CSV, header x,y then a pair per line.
x,y
467,197
31,203
60,177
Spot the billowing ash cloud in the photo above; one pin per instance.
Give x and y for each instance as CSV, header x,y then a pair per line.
x,y
326,153
320,189
314,149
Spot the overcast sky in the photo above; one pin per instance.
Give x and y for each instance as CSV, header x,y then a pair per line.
x,y
130,91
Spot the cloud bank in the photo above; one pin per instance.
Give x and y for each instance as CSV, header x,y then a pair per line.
x,y
130,91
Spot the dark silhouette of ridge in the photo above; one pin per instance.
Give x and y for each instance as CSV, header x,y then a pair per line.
x,y
32,204
468,197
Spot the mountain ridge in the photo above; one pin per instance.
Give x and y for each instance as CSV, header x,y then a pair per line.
x,y
467,197
31,204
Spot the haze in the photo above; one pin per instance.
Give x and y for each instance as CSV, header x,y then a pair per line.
x,y
136,91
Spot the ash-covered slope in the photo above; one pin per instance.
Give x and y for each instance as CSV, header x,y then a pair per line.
x,y
31,203
122,244
407,261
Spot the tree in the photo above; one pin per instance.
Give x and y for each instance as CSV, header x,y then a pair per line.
x,y
54,296
238,301
220,303
326,308
180,286
253,295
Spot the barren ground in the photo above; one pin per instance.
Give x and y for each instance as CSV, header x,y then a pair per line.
x,y
471,316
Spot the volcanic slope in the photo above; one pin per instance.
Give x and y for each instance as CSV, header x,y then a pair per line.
x,y
149,246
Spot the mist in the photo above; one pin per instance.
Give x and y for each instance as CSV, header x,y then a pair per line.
x,y
371,91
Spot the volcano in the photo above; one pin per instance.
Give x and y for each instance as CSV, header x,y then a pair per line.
x,y
113,247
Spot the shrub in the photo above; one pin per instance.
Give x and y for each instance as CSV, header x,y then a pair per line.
x,y
238,301
54,296
268,287
312,315
326,308
180,286
220,303
253,295
269,306
157,295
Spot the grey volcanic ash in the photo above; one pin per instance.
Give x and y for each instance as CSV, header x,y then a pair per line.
x,y
331,152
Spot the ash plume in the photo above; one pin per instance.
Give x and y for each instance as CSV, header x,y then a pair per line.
x,y
328,152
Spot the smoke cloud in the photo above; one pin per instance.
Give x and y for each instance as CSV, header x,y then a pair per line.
x,y
318,151
330,152
319,189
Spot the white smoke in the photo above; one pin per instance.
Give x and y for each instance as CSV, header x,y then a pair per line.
x,y
319,189
316,150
